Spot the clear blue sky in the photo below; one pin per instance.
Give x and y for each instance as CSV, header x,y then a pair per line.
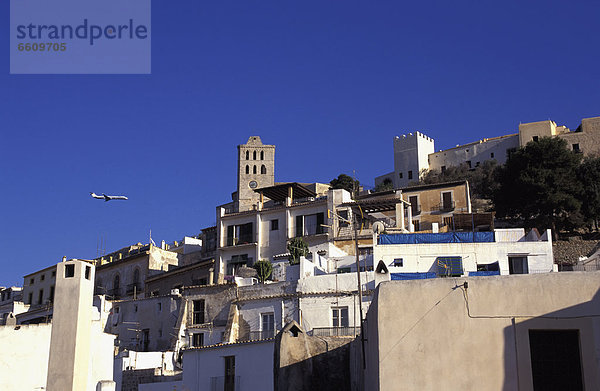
x,y
329,82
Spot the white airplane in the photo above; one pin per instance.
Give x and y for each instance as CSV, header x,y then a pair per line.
x,y
108,197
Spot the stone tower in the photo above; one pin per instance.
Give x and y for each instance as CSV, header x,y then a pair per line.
x,y
68,366
256,169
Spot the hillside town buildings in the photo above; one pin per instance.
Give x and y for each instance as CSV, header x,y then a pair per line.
x,y
192,314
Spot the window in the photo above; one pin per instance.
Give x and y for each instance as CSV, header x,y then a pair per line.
x,y
43,277
343,221
443,168
477,164
262,155
342,270
40,296
492,155
535,138
247,169
229,373
449,221
159,307
449,266
263,169
267,325
416,225
145,340
410,174
88,270
198,311
415,208
136,276
254,169
240,234
238,261
30,298
31,281
254,156
400,175
197,339
518,265
69,271
135,308
310,224
555,359
447,203
51,298
339,316
398,262
274,225
247,156
468,163
576,148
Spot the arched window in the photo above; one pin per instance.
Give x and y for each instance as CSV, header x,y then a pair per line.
x,y
254,169
263,169
247,169
247,155
262,155
136,276
117,282
254,155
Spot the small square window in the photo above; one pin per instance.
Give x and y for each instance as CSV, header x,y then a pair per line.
x,y
43,277
576,148
54,273
274,225
31,281
535,138
492,155
400,175
69,271
197,339
410,175
398,262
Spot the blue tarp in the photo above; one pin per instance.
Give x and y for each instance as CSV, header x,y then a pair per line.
x,y
412,276
485,273
447,237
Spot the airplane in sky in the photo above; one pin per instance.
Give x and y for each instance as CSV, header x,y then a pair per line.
x,y
108,197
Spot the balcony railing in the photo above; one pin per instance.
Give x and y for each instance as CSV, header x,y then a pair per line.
x,y
115,293
236,241
416,210
131,288
258,335
336,331
444,207
225,383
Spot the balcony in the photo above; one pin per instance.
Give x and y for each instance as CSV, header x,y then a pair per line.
x,y
242,239
115,293
225,383
134,288
335,331
444,207
258,335
416,210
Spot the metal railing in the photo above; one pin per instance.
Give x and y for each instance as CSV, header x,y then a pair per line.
x,y
335,331
258,335
225,383
135,287
115,293
236,241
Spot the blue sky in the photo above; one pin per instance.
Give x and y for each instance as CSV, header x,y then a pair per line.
x,y
330,83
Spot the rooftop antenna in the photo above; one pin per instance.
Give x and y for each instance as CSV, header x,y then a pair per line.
x,y
100,246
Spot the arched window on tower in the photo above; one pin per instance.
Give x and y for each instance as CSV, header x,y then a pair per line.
x,y
247,155
254,169
247,169
254,155
263,169
262,155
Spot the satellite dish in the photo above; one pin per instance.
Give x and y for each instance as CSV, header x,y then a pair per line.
x,y
378,227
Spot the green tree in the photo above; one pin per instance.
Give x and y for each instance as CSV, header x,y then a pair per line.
x,y
263,268
589,177
384,186
539,184
297,248
346,182
482,179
